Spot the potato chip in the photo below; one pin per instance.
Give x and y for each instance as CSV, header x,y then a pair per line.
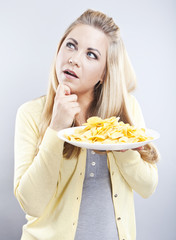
x,y
108,131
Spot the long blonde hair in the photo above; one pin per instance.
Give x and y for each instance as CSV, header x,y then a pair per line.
x,y
111,97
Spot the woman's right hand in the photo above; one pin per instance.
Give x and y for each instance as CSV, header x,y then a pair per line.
x,y
64,109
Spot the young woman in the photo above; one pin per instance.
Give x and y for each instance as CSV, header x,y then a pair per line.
x,y
70,193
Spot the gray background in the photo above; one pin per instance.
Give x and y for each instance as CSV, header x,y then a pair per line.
x,y
29,34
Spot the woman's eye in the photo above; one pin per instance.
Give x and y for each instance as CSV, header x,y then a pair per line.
x,y
70,45
92,55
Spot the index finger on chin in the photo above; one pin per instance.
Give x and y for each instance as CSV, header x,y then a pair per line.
x,y
63,90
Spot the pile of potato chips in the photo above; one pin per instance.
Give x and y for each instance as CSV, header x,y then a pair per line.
x,y
108,131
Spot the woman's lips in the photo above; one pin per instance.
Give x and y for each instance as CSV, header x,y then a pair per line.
x,y
70,74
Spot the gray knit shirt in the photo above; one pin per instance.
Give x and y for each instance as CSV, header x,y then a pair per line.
x,y
96,216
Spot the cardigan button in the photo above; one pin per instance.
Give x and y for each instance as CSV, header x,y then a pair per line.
x,y
91,174
119,218
115,195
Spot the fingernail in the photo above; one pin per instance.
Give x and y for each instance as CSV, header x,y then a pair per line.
x,y
67,93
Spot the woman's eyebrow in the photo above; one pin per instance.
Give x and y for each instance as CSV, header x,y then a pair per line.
x,y
94,49
73,40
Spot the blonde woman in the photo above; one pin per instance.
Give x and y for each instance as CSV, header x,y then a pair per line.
x,y
70,193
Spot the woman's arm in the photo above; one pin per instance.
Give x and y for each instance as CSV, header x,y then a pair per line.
x,y
139,174
36,176
142,176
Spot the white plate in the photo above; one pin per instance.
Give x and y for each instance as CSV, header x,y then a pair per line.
x,y
100,146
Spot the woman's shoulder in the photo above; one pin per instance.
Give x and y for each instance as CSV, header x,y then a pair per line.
x,y
29,115
132,101
132,98
31,110
136,112
33,106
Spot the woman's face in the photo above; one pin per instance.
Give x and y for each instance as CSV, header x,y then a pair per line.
x,y
81,61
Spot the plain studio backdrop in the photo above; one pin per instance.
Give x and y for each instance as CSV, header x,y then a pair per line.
x,y
29,34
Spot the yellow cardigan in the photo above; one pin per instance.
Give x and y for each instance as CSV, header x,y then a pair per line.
x,y
49,187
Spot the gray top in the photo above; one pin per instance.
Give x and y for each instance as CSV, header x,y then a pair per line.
x,y
96,216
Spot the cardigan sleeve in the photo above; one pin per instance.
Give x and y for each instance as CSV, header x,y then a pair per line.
x,y
139,174
36,176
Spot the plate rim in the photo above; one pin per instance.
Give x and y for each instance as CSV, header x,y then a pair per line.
x,y
100,146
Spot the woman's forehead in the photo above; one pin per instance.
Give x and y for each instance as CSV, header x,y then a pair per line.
x,y
88,36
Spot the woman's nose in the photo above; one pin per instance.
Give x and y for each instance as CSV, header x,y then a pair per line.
x,y
75,59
